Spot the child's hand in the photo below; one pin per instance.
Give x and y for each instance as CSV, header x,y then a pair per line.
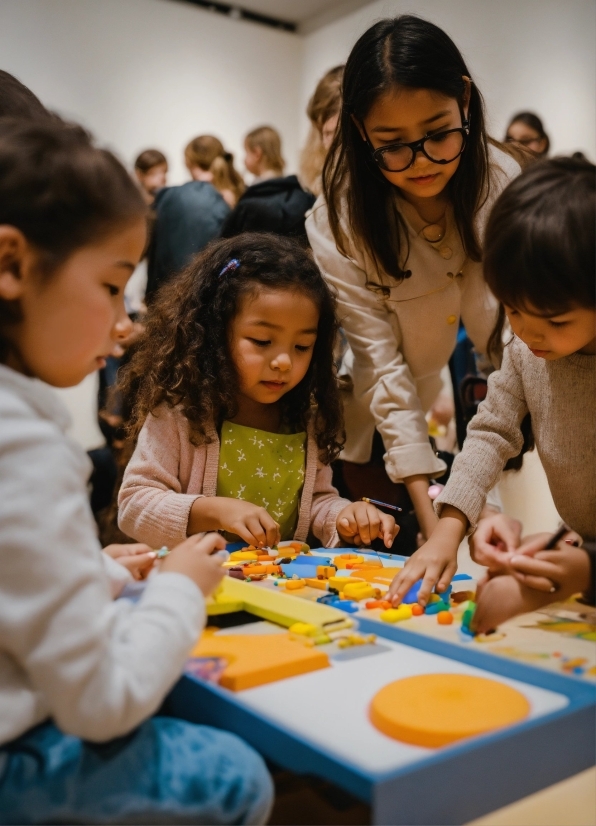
x,y
565,570
248,521
196,559
136,558
503,597
494,541
435,562
360,523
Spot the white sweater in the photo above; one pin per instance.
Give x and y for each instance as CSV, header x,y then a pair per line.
x,y
400,343
67,651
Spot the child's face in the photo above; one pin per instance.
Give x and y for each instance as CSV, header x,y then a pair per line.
x,y
73,320
553,337
271,340
252,159
406,115
154,179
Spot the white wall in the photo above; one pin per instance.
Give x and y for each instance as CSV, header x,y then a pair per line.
x,y
523,54
142,73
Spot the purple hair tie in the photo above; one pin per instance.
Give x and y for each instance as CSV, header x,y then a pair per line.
x,y
230,266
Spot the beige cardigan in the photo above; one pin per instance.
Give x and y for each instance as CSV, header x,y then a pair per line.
x,y
167,473
400,343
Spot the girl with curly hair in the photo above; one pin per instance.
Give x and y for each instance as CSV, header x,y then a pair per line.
x,y
236,408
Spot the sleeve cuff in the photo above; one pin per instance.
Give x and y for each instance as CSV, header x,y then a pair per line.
x,y
331,538
119,576
411,460
180,594
464,497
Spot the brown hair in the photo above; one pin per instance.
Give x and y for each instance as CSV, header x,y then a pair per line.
x,y
202,151
183,358
61,192
226,176
150,158
323,105
17,101
267,139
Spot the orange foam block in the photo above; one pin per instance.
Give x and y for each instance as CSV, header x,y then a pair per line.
x,y
257,659
437,709
380,575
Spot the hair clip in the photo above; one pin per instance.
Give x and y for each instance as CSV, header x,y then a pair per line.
x,y
230,266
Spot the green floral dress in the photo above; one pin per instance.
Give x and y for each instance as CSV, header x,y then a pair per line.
x,y
264,468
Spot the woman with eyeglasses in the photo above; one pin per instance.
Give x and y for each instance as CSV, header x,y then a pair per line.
x,y
407,187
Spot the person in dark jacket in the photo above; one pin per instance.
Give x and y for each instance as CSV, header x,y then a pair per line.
x,y
273,203
187,217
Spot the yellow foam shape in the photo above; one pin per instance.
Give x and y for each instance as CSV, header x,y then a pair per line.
x,y
321,584
294,584
274,605
304,628
358,590
243,556
257,659
342,560
437,709
381,575
403,612
340,582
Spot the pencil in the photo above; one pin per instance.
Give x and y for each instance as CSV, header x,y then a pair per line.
x,y
552,542
381,504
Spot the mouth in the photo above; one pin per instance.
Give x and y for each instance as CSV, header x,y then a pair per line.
x,y
539,353
424,180
274,385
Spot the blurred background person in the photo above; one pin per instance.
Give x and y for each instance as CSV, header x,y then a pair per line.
x,y
323,112
187,217
151,170
526,129
273,203
208,161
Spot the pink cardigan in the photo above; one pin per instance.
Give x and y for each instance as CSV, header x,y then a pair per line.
x,y
167,473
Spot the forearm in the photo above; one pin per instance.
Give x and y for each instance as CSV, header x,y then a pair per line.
x,y
451,527
417,487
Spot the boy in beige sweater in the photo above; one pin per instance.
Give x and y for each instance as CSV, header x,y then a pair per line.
x,y
539,262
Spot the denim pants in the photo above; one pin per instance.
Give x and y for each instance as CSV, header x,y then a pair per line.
x,y
166,771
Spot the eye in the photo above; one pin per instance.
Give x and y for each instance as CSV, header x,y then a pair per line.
x,y
439,137
259,342
557,323
113,289
304,348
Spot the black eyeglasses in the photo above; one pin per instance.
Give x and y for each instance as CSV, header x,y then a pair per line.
x,y
442,147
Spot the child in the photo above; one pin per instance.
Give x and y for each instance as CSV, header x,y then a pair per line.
x,y
151,169
408,184
273,203
78,670
237,405
323,112
539,261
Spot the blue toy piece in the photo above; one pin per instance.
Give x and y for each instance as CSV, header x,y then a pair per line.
x,y
303,570
308,559
436,607
412,595
461,577
345,605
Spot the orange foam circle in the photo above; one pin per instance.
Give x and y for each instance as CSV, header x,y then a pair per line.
x,y
437,709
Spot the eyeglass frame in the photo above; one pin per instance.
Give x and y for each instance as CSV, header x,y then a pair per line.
x,y
417,146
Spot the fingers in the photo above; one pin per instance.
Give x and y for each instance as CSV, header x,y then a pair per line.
x,y
446,576
535,566
139,564
137,548
536,582
362,523
259,529
388,529
430,579
410,573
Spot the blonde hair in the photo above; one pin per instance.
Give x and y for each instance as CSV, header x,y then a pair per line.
x,y
207,153
323,105
268,141
226,177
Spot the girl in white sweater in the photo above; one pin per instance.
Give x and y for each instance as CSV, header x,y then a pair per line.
x,y
77,669
407,184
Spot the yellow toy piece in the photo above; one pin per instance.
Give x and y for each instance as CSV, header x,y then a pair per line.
x,y
341,560
243,556
294,584
326,570
360,590
382,576
305,629
271,604
258,659
403,612
340,582
321,584
437,709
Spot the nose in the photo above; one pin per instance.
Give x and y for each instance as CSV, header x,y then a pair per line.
x,y
282,361
123,326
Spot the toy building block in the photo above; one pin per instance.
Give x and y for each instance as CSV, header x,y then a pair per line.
x,y
341,560
243,556
259,659
340,582
377,603
305,629
403,612
436,607
326,570
467,619
321,584
294,584
363,566
445,618
360,590
300,569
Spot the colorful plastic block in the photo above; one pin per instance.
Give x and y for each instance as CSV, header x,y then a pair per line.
x,y
321,584
305,629
467,618
417,610
326,570
340,582
377,603
445,618
294,584
403,612
436,607
359,590
341,561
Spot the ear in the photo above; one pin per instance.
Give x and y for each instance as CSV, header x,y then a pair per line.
x,y
359,127
467,94
13,254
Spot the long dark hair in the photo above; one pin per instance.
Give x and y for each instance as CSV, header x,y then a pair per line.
x,y
184,359
533,122
411,52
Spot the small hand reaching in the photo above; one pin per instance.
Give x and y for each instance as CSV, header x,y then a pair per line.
x,y
136,558
494,541
197,559
360,523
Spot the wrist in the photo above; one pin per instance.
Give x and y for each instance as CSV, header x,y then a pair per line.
x,y
453,524
205,515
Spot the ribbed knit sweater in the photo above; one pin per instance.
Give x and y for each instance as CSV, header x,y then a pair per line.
x,y
560,395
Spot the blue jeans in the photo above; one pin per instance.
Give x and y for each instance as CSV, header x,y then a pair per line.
x,y
166,771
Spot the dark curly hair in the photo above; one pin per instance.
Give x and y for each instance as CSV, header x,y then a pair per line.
x,y
183,359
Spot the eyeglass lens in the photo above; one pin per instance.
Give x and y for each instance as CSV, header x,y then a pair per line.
x,y
444,146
